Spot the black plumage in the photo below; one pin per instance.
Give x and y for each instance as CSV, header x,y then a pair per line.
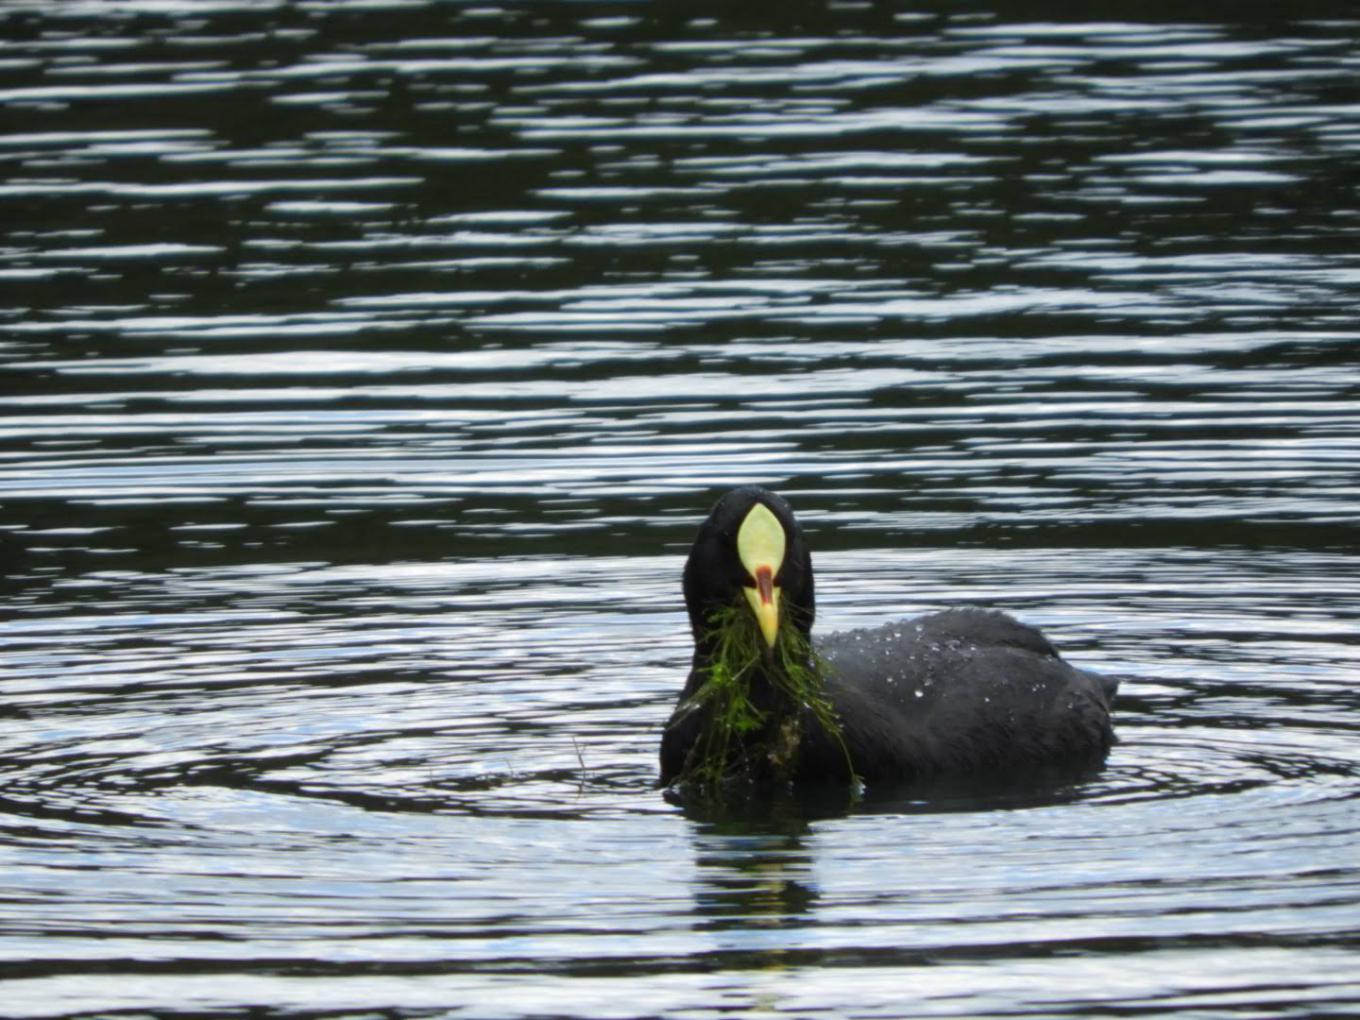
x,y
960,693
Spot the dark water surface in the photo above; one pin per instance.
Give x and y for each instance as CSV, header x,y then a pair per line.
x,y
365,369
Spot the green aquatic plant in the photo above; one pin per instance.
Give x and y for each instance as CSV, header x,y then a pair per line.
x,y
738,737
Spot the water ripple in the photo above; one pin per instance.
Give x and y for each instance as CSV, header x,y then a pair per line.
x,y
367,367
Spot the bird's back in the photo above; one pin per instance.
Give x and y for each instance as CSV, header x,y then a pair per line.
x,y
965,691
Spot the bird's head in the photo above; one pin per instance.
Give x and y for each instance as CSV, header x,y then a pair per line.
x,y
750,554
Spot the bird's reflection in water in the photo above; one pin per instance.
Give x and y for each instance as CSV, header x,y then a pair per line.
x,y
755,900
755,869
756,856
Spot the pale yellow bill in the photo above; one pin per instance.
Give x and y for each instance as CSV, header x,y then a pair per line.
x,y
760,544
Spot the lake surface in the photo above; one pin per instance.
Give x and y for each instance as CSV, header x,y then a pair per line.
x,y
365,369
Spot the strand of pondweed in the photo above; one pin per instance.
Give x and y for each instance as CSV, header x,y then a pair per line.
x,y
724,698
800,676
792,668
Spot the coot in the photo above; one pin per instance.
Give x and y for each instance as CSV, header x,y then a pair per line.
x,y
964,692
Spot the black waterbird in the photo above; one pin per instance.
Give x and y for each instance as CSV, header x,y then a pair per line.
x,y
959,693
